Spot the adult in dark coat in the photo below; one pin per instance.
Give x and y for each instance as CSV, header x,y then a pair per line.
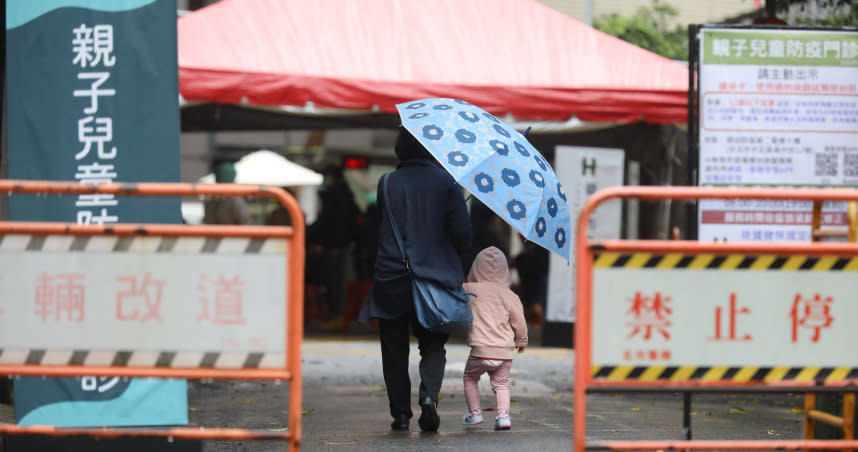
x,y
430,213
334,230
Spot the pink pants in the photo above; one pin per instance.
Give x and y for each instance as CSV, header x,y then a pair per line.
x,y
498,376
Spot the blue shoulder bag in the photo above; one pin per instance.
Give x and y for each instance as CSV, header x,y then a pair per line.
x,y
439,309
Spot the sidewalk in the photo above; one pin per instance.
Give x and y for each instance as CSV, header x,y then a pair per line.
x,y
345,406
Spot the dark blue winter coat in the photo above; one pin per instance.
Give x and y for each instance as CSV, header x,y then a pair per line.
x,y
430,212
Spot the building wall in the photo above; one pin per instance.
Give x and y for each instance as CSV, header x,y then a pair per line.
x,y
690,11
572,8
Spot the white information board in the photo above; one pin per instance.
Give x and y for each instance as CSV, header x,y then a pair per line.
x,y
143,300
582,171
790,312
777,108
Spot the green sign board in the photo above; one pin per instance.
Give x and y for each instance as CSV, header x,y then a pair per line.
x,y
787,47
92,92
92,97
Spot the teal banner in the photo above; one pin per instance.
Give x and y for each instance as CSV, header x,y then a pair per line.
x,y
97,401
92,97
92,94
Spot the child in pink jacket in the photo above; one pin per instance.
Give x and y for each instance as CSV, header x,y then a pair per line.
x,y
498,329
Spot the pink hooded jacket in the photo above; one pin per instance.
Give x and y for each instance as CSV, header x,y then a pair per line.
x,y
499,326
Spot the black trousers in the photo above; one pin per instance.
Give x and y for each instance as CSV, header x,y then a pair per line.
x,y
395,347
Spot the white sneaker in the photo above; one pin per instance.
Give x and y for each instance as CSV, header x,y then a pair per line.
x,y
472,418
503,423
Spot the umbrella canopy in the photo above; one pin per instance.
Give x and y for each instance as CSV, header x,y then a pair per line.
x,y
497,164
270,168
508,56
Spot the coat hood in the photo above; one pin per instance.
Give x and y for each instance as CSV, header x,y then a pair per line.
x,y
407,147
490,265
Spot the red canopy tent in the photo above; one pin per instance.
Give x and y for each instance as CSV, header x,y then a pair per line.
x,y
506,56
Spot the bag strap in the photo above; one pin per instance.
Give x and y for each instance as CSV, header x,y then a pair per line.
x,y
393,223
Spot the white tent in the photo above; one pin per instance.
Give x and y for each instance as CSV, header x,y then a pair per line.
x,y
266,167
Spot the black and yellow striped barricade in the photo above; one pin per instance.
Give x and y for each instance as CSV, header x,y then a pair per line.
x,y
691,316
154,300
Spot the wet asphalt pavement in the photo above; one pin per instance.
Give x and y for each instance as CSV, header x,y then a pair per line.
x,y
345,406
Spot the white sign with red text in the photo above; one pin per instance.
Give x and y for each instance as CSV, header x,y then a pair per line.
x,y
143,301
652,317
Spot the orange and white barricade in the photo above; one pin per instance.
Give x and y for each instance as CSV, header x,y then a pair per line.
x,y
154,300
690,316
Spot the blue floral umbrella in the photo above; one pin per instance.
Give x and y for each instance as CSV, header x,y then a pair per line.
x,y
497,164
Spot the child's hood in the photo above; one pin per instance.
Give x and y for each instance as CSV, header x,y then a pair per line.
x,y
490,266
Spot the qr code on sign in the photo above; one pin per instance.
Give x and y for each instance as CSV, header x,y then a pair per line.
x,y
850,165
826,165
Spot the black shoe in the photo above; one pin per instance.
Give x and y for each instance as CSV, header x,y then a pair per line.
x,y
429,419
400,422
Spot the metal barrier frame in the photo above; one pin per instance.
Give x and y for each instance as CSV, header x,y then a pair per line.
x,y
586,249
294,310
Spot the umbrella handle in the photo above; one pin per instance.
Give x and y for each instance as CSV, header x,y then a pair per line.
x,y
526,130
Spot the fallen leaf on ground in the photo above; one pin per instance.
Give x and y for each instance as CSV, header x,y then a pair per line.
x,y
797,410
193,408
532,403
736,410
278,429
636,409
513,401
306,412
772,432
250,400
557,396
